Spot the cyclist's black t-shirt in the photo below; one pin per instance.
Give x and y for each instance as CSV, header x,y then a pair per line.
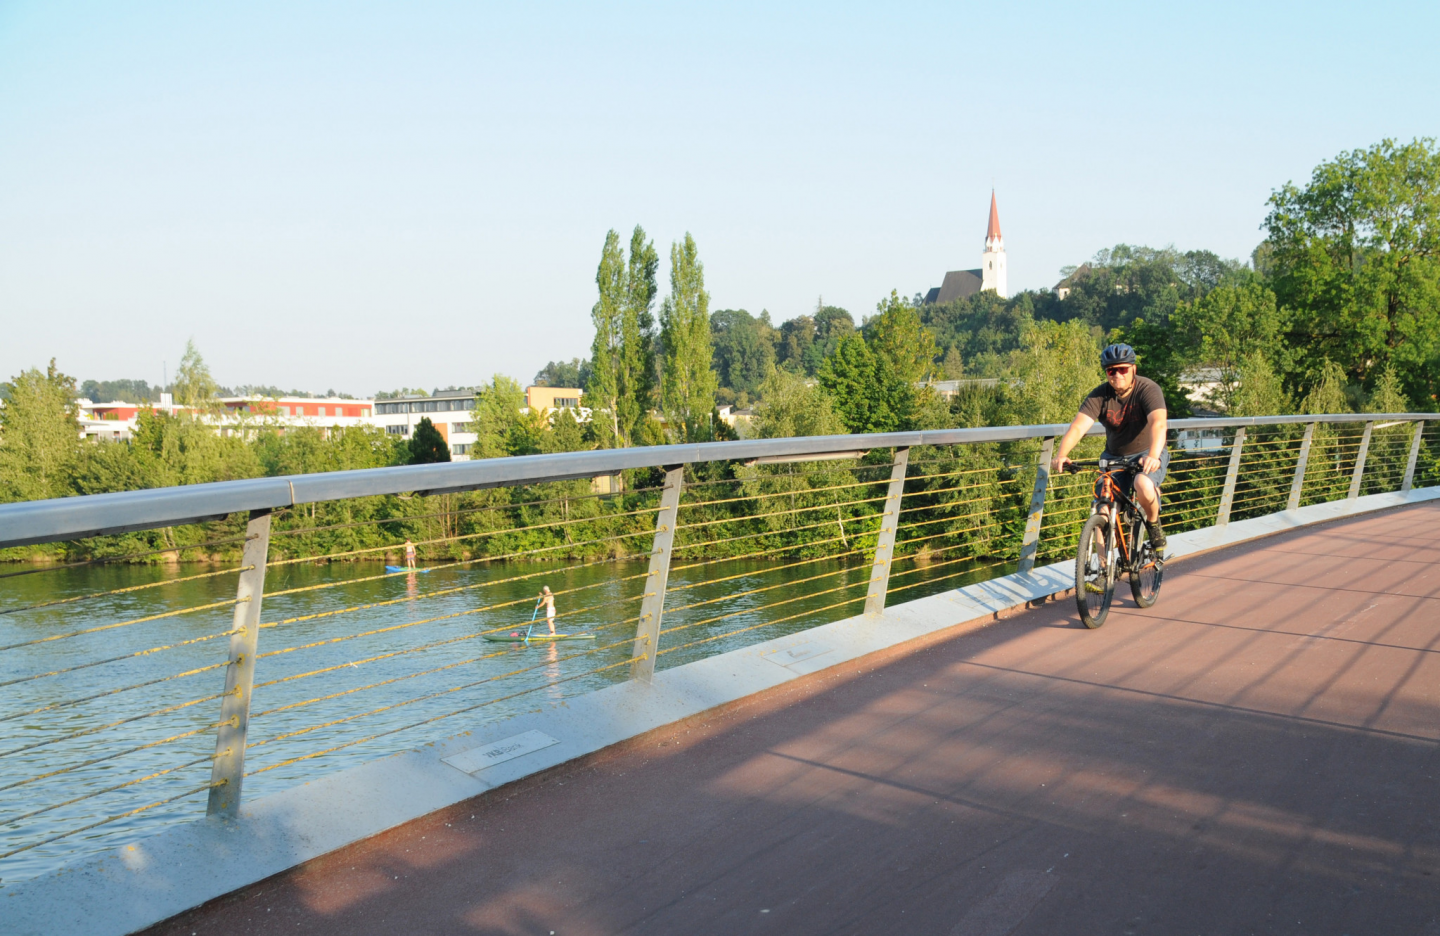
x,y
1125,422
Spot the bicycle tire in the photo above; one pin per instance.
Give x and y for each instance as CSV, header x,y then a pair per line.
x,y
1148,571
1094,572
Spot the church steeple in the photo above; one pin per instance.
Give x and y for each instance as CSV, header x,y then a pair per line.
x,y
993,240
992,261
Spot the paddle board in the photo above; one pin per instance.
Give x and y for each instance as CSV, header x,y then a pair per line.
x,y
403,569
519,637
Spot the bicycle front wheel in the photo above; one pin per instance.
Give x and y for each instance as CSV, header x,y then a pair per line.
x,y
1094,572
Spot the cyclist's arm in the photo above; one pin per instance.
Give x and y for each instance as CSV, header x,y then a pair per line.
x,y
1159,425
1070,439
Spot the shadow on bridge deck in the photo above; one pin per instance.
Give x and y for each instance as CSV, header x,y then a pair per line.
x,y
1259,752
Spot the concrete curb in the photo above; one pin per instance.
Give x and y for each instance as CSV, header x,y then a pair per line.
x,y
154,878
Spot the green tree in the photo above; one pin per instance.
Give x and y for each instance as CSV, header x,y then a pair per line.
x,y
562,374
603,390
1327,391
898,335
1258,391
1356,261
637,336
427,445
793,406
500,427
1222,330
1057,365
39,435
1389,394
193,385
867,393
744,349
687,384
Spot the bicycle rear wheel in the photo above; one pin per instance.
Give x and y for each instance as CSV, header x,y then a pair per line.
x,y
1149,568
1094,572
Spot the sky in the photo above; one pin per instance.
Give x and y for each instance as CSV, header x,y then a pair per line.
x,y
364,196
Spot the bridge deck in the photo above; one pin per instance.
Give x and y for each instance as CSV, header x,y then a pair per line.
x,y
1259,752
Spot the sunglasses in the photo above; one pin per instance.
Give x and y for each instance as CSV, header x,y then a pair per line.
x,y
1117,370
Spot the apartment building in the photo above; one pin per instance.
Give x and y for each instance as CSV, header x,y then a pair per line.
x,y
448,410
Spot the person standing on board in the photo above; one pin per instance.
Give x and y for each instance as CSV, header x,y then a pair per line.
x,y
547,601
409,555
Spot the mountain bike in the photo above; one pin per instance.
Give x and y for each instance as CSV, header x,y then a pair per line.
x,y
1108,549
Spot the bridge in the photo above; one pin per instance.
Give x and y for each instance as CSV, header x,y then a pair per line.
x,y
1258,750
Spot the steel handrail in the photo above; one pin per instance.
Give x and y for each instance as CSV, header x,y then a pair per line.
x,y
32,522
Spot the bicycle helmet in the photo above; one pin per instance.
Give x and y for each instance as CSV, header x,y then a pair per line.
x,y
1117,354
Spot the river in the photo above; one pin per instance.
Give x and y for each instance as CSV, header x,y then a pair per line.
x,y
391,669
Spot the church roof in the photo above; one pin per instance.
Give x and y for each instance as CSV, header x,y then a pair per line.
x,y
958,284
994,231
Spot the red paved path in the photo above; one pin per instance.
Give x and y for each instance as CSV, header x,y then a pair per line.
x,y
1260,752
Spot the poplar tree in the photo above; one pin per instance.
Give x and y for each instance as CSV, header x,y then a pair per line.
x,y
603,388
687,384
637,336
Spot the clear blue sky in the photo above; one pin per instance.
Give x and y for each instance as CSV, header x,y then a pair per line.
x,y
363,196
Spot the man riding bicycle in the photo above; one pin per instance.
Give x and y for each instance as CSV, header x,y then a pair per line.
x,y
1133,411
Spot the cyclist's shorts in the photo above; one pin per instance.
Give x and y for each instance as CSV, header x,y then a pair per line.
x,y
1157,477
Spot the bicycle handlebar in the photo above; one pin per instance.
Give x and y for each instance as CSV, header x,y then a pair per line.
x,y
1122,461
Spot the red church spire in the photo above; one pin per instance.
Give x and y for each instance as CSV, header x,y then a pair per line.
x,y
993,234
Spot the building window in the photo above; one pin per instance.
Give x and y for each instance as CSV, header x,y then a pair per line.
x,y
462,427
398,430
460,448
322,411
566,402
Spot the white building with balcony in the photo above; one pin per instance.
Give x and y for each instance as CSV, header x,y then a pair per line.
x,y
448,410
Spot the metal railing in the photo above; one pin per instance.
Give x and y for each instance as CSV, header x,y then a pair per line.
x,y
109,693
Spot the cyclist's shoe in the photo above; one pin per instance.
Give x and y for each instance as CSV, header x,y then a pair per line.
x,y
1157,535
1094,589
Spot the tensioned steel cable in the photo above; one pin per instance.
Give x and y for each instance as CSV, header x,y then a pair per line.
x,y
864,583
109,692
116,659
125,590
457,538
114,818
70,768
779,532
434,695
477,635
431,720
90,794
101,560
298,531
800,492
105,627
742,630
461,588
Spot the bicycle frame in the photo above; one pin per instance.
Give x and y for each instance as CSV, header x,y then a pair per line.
x,y
1110,496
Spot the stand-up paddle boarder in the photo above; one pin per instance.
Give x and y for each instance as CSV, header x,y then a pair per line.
x,y
409,555
547,601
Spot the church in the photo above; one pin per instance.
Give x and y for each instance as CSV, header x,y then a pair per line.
x,y
991,275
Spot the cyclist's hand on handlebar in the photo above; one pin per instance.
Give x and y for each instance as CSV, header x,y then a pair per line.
x,y
1058,463
1149,464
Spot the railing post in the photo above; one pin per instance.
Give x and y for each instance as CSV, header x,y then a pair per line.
x,y
1360,461
228,770
885,546
1298,484
1228,496
1030,543
1409,479
647,632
